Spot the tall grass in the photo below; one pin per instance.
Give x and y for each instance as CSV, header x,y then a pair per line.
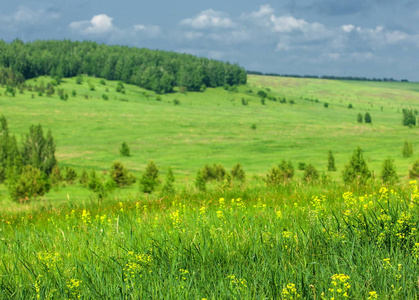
x,y
295,241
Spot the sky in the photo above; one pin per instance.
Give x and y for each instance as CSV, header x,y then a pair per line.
x,y
365,38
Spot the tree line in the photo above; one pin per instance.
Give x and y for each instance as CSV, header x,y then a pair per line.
x,y
155,70
331,77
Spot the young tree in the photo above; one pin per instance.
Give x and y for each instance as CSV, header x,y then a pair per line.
x,y
39,151
200,182
407,149
30,183
120,175
150,179
388,172
70,175
281,173
357,170
359,118
414,171
124,149
367,118
409,118
331,162
168,187
238,173
311,174
84,178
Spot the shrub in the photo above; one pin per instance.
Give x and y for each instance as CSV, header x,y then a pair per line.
x,y
388,172
124,149
84,178
176,102
105,97
359,118
31,183
331,162
407,149
326,105
214,172
414,171
238,173
70,175
357,170
150,179
168,188
301,166
367,118
200,182
409,118
311,174
350,106
120,175
280,174
56,176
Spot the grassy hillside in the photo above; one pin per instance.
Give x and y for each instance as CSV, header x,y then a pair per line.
x,y
214,127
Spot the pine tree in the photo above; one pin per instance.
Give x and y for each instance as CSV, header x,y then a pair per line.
x,y
359,118
407,149
168,187
331,162
311,174
388,172
39,151
120,175
414,171
200,182
150,179
238,173
124,149
357,170
367,118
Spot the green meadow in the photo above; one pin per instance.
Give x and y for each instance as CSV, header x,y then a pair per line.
x,y
250,240
214,127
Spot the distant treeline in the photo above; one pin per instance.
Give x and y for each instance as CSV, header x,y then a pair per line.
x,y
327,77
155,70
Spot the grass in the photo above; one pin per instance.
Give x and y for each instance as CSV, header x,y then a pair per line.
x,y
297,240
284,243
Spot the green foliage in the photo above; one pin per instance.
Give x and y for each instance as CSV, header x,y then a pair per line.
x,y
105,97
359,118
120,175
39,151
356,172
31,183
389,173
414,171
176,102
326,105
124,149
150,179
311,174
200,182
70,175
84,178
214,172
301,166
407,149
253,126
367,118
409,118
55,176
282,173
168,188
79,79
238,173
331,162
350,106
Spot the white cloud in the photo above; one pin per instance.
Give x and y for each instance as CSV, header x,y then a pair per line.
x,y
25,15
264,11
149,30
208,19
348,28
99,24
286,24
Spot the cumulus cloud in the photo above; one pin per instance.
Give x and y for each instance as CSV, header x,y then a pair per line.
x,y
99,24
208,19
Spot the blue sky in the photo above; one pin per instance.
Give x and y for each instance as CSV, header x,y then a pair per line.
x,y
371,38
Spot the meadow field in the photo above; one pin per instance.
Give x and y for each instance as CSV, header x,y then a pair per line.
x,y
237,240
